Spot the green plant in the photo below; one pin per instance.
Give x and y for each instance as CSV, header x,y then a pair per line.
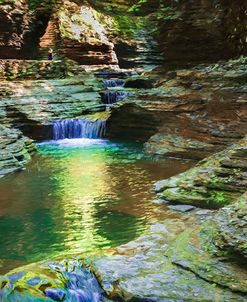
x,y
136,7
45,5
220,197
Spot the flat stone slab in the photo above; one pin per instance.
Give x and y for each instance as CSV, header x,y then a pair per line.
x,y
181,208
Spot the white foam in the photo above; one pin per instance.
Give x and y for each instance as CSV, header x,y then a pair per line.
x,y
75,142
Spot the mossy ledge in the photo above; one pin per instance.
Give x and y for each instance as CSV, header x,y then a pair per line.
x,y
214,182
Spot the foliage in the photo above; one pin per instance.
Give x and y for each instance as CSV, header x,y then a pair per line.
x,y
127,26
220,197
137,6
45,5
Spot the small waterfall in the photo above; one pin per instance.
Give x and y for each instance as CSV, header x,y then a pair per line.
x,y
111,97
113,83
78,128
110,75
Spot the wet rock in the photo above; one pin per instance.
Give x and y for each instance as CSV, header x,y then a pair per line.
x,y
181,208
196,86
17,30
13,69
86,41
55,281
160,185
152,269
15,150
177,146
213,182
231,225
160,201
193,251
203,212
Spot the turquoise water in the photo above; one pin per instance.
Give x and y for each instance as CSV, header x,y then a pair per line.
x,y
78,196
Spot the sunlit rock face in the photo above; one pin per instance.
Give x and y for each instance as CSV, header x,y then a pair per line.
x,y
131,33
92,33
203,29
84,34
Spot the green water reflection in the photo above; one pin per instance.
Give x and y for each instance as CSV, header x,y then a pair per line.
x,y
75,197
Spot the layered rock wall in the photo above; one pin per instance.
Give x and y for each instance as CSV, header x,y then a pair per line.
x,y
203,30
21,27
33,69
15,150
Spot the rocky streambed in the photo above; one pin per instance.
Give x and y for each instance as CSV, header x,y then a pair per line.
x,y
176,261
199,255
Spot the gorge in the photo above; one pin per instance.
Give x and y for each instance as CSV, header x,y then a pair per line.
x,y
123,160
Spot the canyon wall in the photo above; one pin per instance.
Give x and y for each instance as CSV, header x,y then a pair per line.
x,y
125,32
202,30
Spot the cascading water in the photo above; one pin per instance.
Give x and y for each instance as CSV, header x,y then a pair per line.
x,y
113,83
111,97
78,128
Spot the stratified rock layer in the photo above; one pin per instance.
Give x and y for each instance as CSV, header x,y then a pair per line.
x,y
15,150
202,30
214,182
84,34
231,225
33,105
188,114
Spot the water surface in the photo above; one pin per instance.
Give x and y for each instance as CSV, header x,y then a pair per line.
x,y
78,196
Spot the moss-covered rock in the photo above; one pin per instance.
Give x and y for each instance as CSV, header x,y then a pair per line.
x,y
214,182
51,281
15,150
231,228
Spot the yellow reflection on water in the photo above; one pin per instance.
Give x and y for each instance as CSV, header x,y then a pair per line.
x,y
80,186
75,200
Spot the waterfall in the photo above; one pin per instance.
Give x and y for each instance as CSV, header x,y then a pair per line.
x,y
113,83
78,128
111,97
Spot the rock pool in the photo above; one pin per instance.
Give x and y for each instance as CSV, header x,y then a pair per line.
x,y
78,196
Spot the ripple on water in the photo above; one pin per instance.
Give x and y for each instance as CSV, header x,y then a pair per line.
x,y
76,196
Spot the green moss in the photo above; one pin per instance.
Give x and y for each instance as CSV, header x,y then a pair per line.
x,y
45,5
137,6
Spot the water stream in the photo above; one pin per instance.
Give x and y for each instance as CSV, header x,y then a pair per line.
x,y
115,91
78,196
78,128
